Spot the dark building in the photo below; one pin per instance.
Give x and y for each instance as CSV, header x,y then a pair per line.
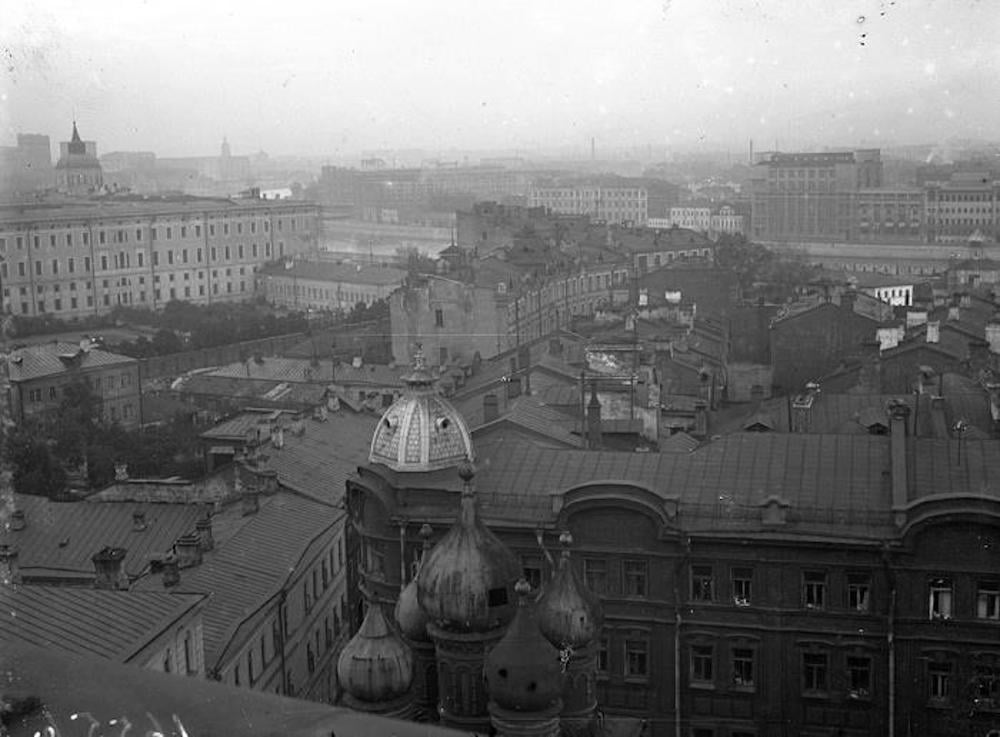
x,y
761,584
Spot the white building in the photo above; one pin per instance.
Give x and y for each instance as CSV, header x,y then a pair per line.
x,y
619,205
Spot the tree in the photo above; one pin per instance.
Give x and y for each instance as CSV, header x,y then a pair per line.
x,y
35,469
415,261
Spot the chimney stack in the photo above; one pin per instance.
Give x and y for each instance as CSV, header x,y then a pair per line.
x,y
10,571
171,571
899,413
18,521
934,330
700,419
491,410
993,333
268,481
139,521
108,569
594,440
188,550
250,500
205,539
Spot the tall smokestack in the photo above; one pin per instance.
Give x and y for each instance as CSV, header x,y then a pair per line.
x,y
593,149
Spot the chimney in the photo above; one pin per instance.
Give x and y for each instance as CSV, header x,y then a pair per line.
x,y
700,419
171,571
979,354
993,334
491,410
268,481
108,571
251,501
524,365
594,419
848,298
139,521
954,313
18,521
802,406
899,413
205,539
934,328
10,571
188,550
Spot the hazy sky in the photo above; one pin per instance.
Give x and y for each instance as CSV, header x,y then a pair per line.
x,y
335,78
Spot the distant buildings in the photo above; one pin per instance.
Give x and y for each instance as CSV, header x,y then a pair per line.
x,y
966,206
26,167
41,374
608,204
318,285
709,220
77,257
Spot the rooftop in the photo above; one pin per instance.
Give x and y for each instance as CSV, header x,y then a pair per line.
x,y
52,359
110,624
336,273
59,538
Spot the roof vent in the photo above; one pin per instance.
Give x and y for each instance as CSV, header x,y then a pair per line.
x,y
18,521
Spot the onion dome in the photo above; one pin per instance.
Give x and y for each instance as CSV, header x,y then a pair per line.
x,y
421,431
466,581
569,613
376,665
524,671
410,617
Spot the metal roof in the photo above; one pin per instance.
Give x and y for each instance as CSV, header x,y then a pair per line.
x,y
110,624
51,359
60,537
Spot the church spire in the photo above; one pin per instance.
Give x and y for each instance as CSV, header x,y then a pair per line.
x,y
76,144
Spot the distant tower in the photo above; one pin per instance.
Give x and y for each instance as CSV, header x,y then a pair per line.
x,y
570,617
465,586
375,668
226,152
524,677
78,171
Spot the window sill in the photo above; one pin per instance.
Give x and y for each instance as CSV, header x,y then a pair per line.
x,y
637,679
943,704
702,685
815,695
743,688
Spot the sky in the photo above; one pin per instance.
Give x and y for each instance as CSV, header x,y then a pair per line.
x,y
342,77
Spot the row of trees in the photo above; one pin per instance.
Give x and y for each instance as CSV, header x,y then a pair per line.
x,y
44,453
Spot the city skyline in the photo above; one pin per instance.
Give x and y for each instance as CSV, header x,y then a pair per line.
x,y
445,77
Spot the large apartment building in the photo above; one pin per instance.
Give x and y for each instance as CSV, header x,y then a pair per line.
x,y
610,204
78,257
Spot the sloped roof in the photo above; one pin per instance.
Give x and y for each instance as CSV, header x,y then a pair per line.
x,y
252,565
61,537
531,415
51,359
277,369
110,624
679,442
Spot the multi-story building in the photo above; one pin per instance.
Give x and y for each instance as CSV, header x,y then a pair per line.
x,y
41,374
72,258
610,204
27,166
803,196
761,584
885,214
320,285
964,207
713,221
78,171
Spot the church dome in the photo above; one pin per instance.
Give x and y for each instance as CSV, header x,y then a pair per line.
x,y
376,665
465,583
569,613
524,671
421,431
410,617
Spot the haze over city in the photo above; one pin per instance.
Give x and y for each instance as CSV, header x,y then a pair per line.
x,y
341,78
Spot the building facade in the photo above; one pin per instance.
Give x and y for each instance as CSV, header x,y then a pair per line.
x,y
318,285
78,171
609,204
965,207
40,376
85,257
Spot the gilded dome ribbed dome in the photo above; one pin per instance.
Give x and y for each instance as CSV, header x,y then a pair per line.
x,y
421,431
466,581
569,613
376,665
524,672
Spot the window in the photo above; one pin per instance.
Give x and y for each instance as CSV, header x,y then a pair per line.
x,y
859,677
531,566
702,664
702,586
188,662
742,586
940,599
986,685
742,658
636,658
438,318
814,589
988,600
602,656
859,592
168,665
634,577
595,574
814,672
939,676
